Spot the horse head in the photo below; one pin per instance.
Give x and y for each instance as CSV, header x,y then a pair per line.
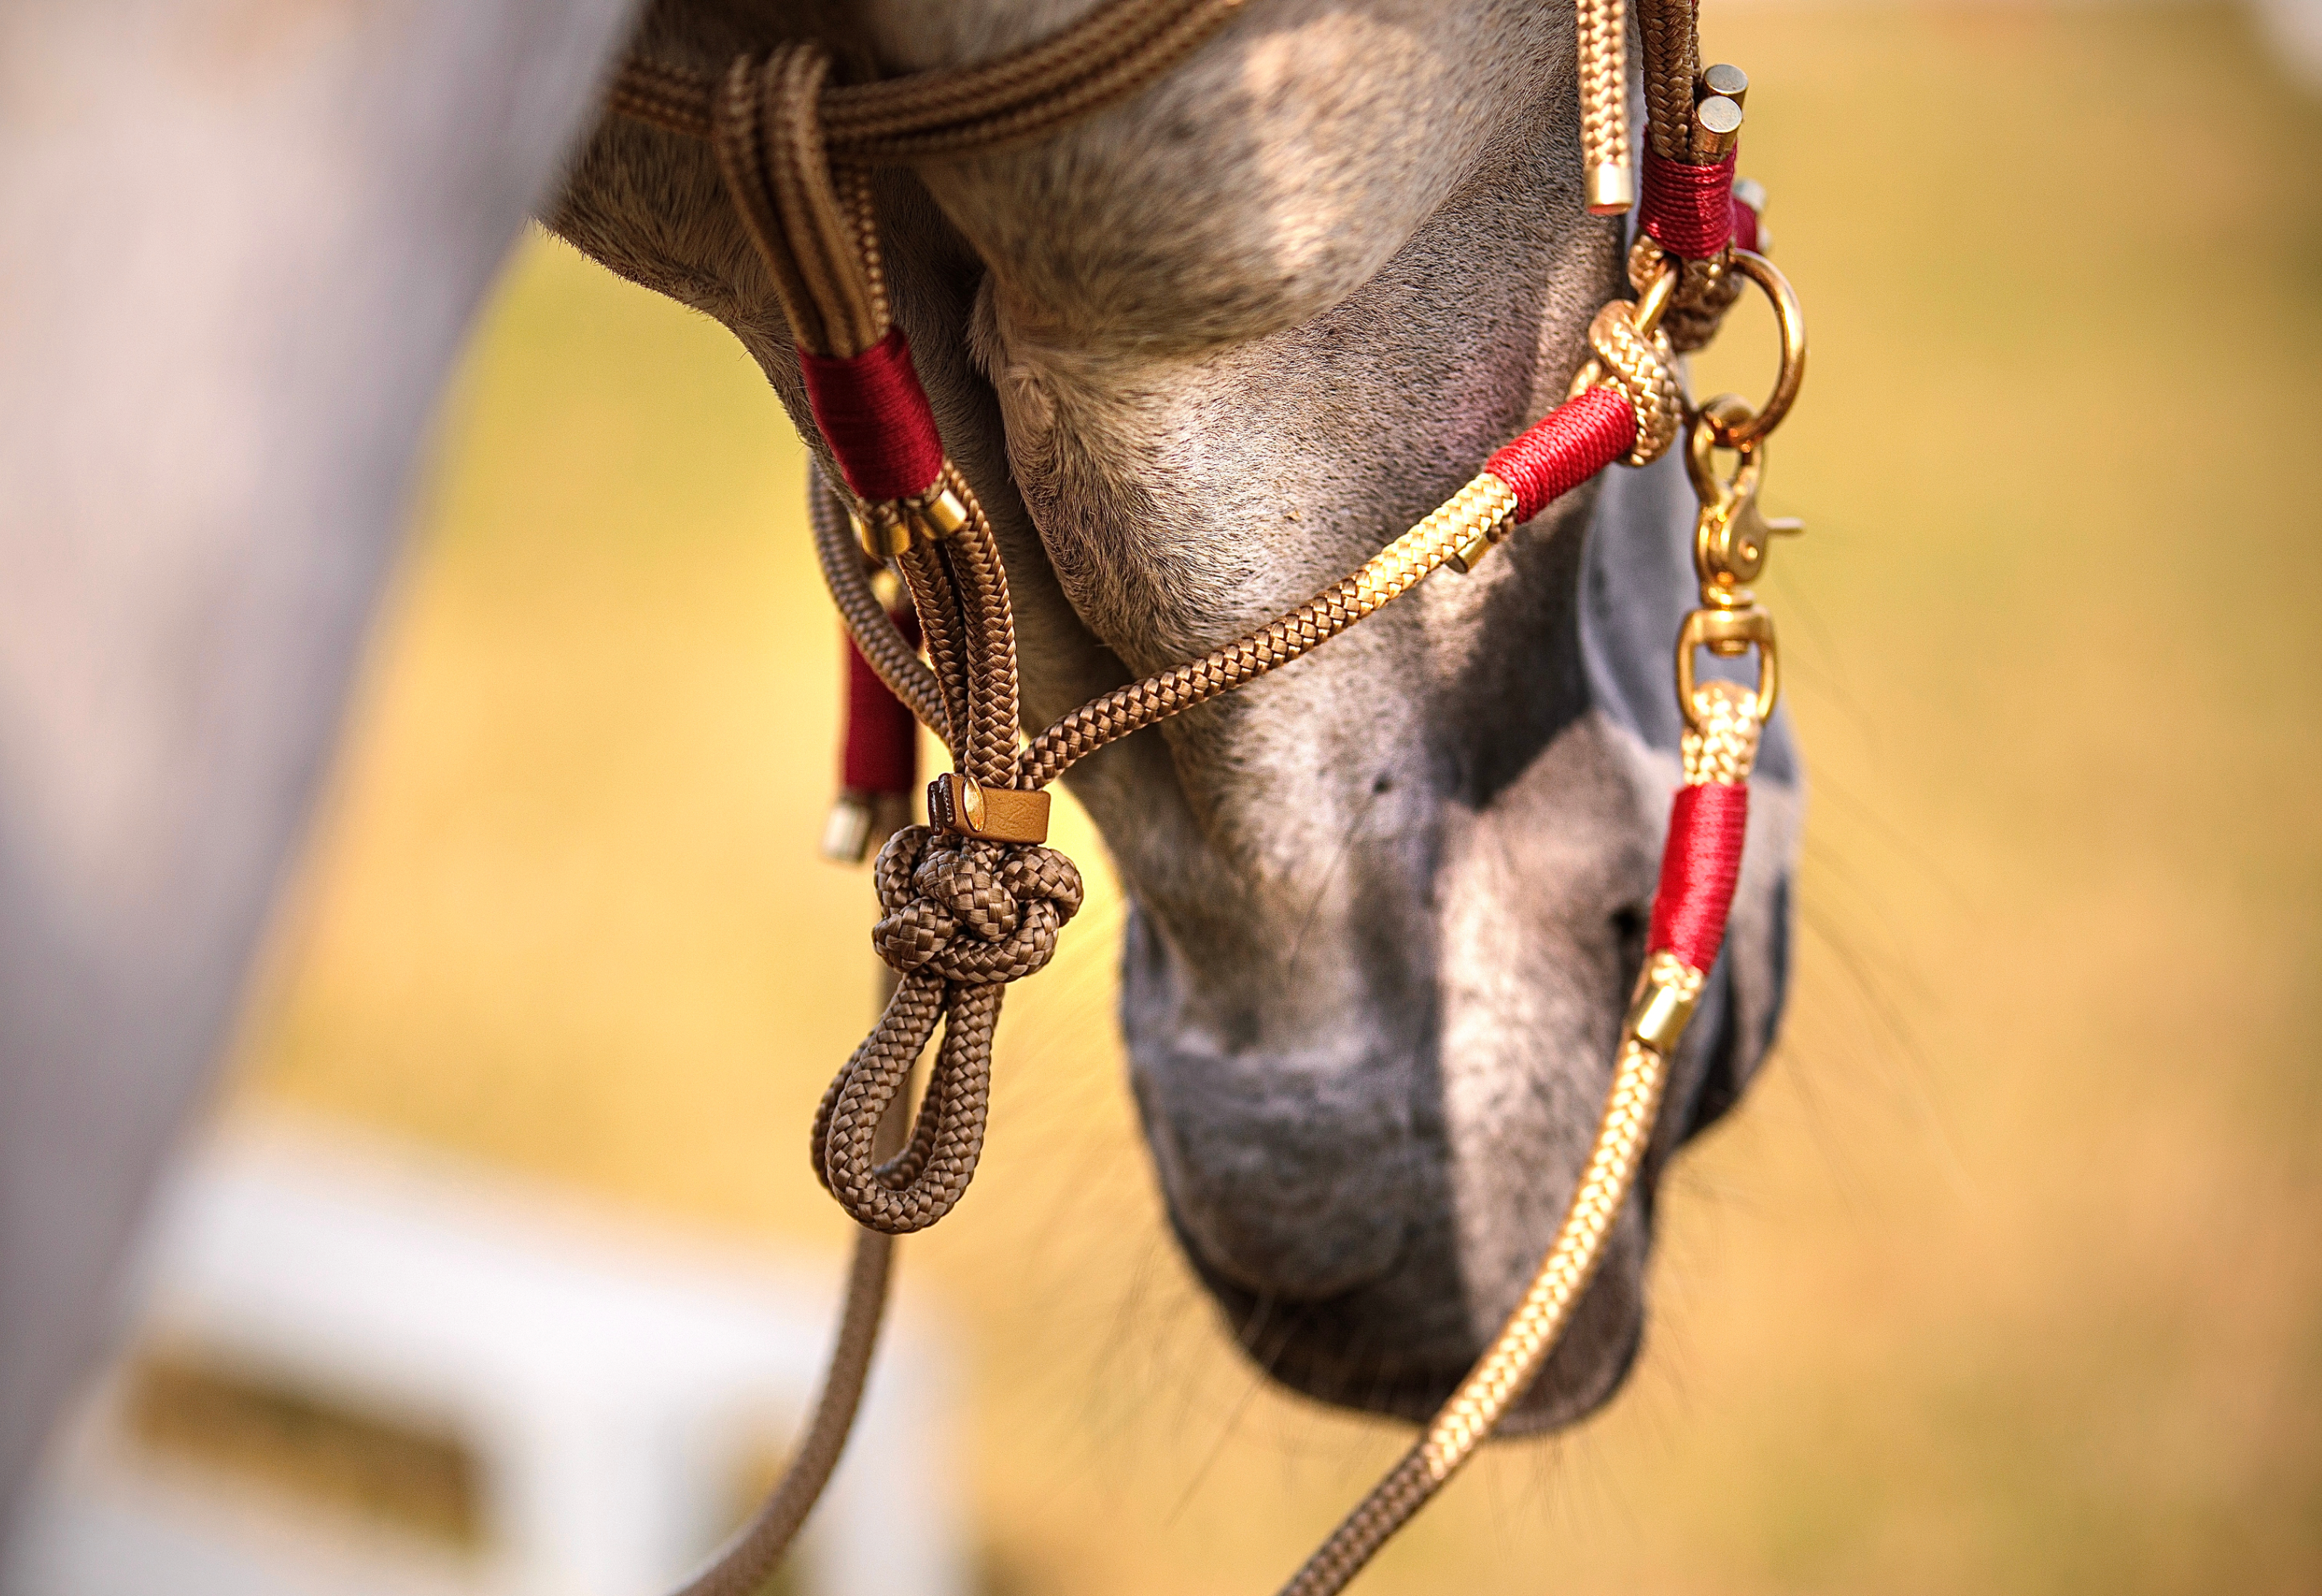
x,y
1201,355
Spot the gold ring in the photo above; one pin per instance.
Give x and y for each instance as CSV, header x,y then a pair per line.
x,y
1791,322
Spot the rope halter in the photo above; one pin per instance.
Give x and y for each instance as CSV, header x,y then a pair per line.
x,y
976,899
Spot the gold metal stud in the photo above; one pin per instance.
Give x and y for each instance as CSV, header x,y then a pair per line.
x,y
1612,190
1716,128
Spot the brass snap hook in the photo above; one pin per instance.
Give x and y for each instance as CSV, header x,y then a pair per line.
x,y
1731,536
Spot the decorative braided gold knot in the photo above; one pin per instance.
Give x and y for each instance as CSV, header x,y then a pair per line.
x,y
1644,369
962,917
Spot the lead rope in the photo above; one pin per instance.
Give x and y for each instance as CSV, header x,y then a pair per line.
x,y
976,900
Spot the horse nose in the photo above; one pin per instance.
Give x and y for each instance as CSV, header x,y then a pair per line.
x,y
1280,1183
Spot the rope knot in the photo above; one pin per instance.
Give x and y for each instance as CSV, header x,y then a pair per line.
x,y
1645,370
960,918
969,910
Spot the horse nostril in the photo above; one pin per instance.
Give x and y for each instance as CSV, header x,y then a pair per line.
x,y
1630,924
1292,1234
1293,1194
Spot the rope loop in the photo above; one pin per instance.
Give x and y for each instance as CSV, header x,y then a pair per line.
x,y
1705,291
961,916
813,223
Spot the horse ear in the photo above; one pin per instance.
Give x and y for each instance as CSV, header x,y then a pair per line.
x,y
241,247
1636,584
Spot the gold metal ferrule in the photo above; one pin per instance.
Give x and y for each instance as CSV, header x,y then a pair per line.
x,y
881,533
1668,989
888,528
939,513
1612,190
860,822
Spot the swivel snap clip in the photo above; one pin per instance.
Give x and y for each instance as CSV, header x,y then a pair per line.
x,y
1732,535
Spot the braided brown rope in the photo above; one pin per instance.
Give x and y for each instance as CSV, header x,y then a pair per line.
x,y
980,581
1604,83
1482,504
1706,290
1107,56
943,632
1671,40
667,97
740,1567
962,917
882,646
822,246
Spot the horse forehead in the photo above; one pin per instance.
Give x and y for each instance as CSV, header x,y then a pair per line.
x,y
1257,184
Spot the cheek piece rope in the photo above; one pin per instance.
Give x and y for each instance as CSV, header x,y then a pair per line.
x,y
975,901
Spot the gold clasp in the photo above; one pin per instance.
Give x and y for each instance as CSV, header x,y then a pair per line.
x,y
1731,536
1728,634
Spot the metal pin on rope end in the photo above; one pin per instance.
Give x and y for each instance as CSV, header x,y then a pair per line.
x,y
860,823
1612,190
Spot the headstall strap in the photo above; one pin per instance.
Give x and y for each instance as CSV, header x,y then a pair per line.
x,y
977,900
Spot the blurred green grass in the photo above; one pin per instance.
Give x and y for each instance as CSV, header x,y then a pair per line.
x,y
2007,1277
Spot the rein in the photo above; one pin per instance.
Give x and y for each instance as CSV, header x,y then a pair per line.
x,y
976,900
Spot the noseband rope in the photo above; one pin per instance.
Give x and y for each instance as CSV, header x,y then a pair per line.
x,y
975,900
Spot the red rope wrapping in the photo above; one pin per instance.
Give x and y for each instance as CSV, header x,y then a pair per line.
x,y
1688,209
880,752
1699,865
1745,228
1564,448
875,415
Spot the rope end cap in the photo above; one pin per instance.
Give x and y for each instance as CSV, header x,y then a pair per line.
x,y
1612,190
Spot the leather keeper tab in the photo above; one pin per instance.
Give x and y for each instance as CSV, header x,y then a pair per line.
x,y
996,814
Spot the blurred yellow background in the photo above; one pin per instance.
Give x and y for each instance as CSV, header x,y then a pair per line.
x,y
2008,1275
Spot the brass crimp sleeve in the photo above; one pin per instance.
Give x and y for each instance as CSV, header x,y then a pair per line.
x,y
1668,989
938,512
1483,512
890,528
881,530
